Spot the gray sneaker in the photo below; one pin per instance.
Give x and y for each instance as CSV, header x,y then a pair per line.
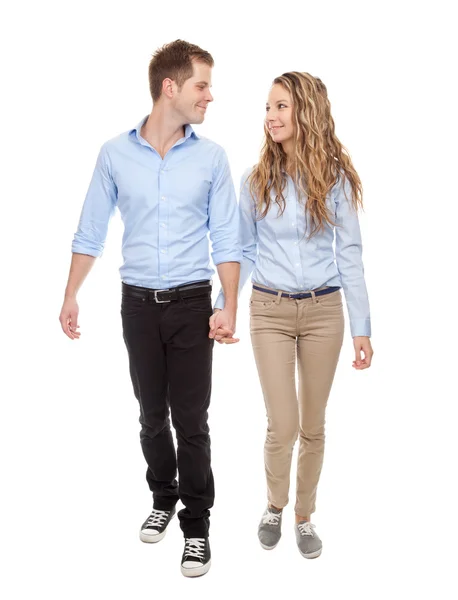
x,y
308,542
269,530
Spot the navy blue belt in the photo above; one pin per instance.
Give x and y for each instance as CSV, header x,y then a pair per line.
x,y
299,295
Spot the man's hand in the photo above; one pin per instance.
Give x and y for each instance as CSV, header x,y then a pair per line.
x,y
222,326
362,344
69,318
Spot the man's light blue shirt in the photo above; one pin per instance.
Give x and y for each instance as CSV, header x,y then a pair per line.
x,y
278,252
168,206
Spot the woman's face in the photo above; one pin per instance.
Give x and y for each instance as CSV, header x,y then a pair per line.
x,y
279,114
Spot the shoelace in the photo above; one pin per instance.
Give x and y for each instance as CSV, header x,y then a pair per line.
x,y
157,518
306,528
271,518
194,547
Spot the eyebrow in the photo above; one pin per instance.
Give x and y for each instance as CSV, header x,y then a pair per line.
x,y
202,83
278,101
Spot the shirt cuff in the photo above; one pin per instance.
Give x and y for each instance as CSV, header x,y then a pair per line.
x,y
220,301
360,327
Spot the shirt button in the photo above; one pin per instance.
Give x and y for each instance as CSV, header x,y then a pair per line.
x,y
164,251
297,264
163,198
163,225
295,243
163,277
292,224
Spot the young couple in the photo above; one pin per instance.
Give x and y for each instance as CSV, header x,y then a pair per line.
x,y
172,187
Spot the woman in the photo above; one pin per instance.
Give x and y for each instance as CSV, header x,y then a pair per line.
x,y
303,191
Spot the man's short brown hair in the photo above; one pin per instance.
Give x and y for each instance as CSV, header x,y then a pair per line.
x,y
174,61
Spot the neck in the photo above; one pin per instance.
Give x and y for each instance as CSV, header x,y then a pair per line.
x,y
162,130
288,149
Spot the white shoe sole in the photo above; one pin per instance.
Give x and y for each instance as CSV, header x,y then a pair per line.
x,y
315,554
268,547
153,539
198,571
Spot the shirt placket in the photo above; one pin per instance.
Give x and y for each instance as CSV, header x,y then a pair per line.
x,y
163,223
164,238
295,222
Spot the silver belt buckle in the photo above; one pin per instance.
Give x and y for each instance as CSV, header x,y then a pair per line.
x,y
160,301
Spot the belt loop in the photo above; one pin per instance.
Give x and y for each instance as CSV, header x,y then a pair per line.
x,y
278,298
314,298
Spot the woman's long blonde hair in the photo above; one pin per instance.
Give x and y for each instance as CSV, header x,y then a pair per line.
x,y
319,162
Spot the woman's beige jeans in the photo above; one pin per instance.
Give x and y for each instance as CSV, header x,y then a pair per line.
x,y
309,333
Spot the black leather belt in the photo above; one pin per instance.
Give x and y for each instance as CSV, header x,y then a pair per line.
x,y
299,295
200,288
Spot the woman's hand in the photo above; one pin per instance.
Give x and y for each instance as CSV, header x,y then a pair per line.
x,y
362,344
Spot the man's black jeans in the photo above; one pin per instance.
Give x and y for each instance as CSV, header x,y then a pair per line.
x,y
170,357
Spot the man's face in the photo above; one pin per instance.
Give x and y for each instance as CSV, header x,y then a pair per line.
x,y
192,100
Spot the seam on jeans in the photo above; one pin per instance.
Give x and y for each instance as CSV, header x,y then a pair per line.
x,y
297,317
306,307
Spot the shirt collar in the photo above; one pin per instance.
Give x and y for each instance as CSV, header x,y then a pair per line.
x,y
188,131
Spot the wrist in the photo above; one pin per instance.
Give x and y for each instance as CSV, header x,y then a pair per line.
x,y
231,306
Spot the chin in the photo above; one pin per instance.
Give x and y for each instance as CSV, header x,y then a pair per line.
x,y
196,119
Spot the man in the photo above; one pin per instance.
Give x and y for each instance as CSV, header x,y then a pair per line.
x,y
171,187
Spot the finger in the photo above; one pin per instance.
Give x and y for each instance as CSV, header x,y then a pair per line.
x,y
65,324
358,356
224,331
73,321
361,366
230,340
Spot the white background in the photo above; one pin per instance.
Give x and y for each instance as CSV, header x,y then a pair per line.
x,y
73,476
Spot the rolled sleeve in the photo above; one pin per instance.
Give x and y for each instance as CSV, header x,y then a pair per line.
x,y
349,260
98,209
223,218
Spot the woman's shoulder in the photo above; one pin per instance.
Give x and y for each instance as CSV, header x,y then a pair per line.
x,y
247,173
341,185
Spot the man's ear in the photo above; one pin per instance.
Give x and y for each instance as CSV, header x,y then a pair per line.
x,y
168,86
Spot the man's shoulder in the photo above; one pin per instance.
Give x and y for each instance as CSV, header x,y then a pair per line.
x,y
117,142
211,145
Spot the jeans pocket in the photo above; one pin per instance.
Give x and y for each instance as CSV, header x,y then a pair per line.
x,y
201,304
260,307
332,300
131,306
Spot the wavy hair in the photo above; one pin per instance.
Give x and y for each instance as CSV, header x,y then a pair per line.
x,y
319,161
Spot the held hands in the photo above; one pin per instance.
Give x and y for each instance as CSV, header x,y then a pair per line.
x,y
69,318
362,344
222,326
